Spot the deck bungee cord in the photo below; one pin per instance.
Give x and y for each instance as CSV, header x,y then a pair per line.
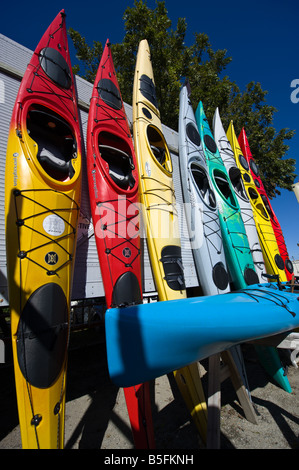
x,y
153,193
21,222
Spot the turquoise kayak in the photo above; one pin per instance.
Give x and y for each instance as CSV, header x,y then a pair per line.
x,y
138,349
237,250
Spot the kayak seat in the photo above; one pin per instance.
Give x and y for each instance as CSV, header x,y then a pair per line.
x,y
120,165
158,148
171,258
56,144
159,154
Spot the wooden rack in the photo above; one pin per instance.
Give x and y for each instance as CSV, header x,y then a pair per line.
x,y
222,366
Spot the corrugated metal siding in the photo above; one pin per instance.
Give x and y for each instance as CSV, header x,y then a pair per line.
x,y
87,276
11,87
13,55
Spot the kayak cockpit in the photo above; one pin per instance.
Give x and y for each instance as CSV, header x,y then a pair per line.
x,y
117,154
55,140
203,185
267,206
237,182
224,187
159,148
256,200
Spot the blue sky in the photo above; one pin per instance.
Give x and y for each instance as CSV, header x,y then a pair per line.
x,y
261,36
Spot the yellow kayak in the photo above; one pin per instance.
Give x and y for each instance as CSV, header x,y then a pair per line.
x,y
273,262
42,193
160,214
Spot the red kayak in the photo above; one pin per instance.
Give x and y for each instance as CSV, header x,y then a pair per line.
x,y
113,190
243,141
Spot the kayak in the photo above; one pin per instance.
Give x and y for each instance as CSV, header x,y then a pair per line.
x,y
160,214
243,141
113,189
200,204
273,262
202,213
229,151
237,250
156,185
268,356
42,194
256,312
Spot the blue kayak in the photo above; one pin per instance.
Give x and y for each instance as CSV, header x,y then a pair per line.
x,y
149,340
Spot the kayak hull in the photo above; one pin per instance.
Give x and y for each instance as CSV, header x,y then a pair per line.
x,y
289,269
160,215
229,152
255,312
236,246
113,188
157,196
200,205
274,262
42,195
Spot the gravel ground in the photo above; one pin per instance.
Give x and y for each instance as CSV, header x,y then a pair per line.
x,y
96,415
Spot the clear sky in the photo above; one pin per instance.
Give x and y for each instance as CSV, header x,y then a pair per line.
x,y
261,36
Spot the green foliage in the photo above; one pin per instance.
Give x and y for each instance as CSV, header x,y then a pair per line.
x,y
172,62
249,110
90,56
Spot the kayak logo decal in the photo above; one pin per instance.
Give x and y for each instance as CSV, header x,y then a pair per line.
x,y
127,252
95,188
54,225
51,258
148,169
15,168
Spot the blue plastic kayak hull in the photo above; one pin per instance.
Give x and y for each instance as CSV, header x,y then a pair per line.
x,y
149,340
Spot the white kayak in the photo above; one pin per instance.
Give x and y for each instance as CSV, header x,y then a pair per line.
x,y
229,154
200,204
